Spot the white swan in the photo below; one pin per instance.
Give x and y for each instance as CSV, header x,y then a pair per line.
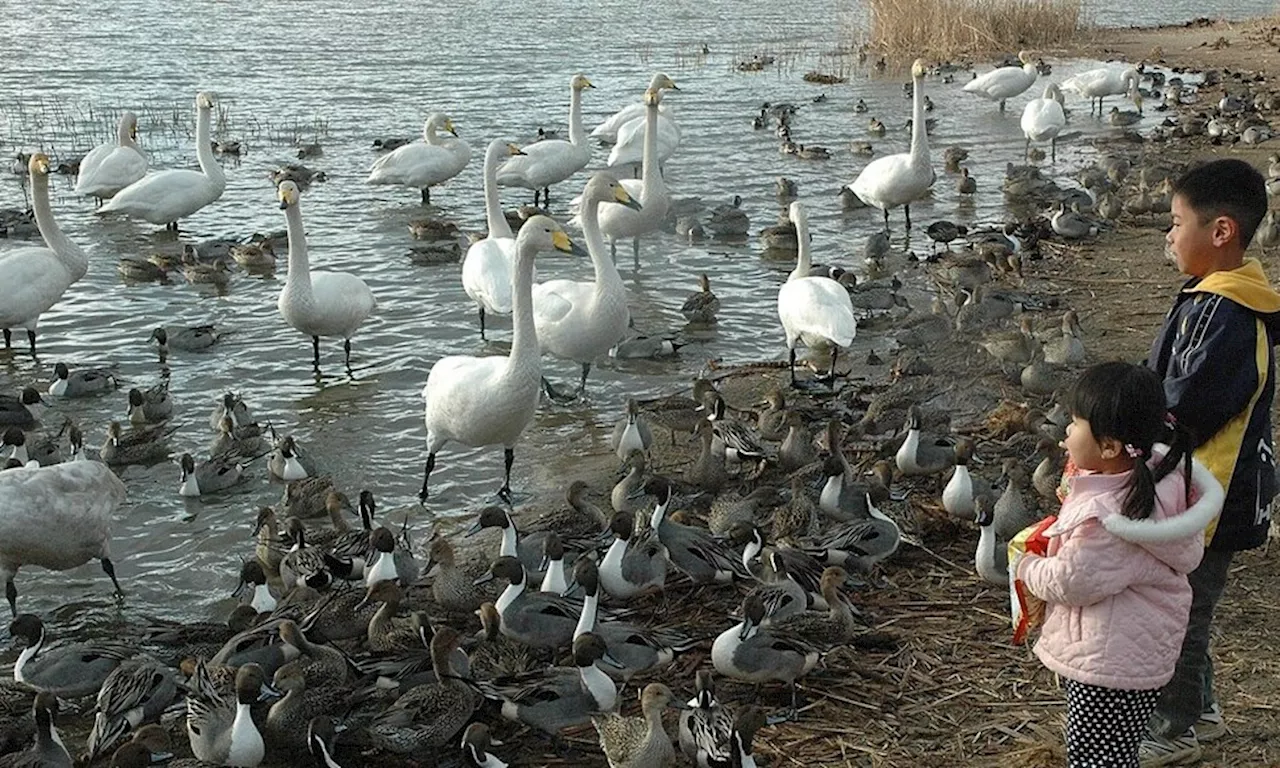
x,y
33,279
607,132
479,401
628,150
581,321
548,162
1043,119
1005,82
814,310
58,518
486,269
318,303
888,182
110,167
167,196
1103,82
423,164
618,222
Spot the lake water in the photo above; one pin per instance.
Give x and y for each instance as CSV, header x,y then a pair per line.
x,y
325,70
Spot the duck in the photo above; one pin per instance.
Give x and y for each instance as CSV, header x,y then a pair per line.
x,y
1043,119
134,693
729,221
488,264
183,338
480,401
16,439
288,462
702,305
110,167
321,737
919,455
286,726
707,471
836,627
255,257
731,437
554,579
150,744
1048,472
797,448
967,185
960,491
991,560
167,196
231,440
900,179
34,278
631,742
1103,82
583,320
48,751
254,577
1012,347
319,303
785,189
1067,349
1120,118
633,564
617,222
23,411
528,549
782,595
634,649
145,445
303,564
84,382
58,518
150,406
815,311
221,730
1005,82
453,585
424,164
551,161
706,725
475,748
1012,511
555,698
430,715
538,619
631,432
858,544
690,549
217,474
752,654
626,492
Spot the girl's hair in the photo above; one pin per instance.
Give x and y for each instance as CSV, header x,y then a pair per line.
x,y
1126,402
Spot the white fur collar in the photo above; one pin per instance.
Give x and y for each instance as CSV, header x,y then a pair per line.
x,y
1190,522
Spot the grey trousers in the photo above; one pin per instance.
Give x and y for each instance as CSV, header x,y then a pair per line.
x,y
1190,692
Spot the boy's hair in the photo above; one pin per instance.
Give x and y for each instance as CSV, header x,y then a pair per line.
x,y
1226,187
1126,402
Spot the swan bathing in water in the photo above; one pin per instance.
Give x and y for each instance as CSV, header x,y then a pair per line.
x,y
110,167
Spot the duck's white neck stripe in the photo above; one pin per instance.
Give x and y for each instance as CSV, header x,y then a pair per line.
x,y
27,654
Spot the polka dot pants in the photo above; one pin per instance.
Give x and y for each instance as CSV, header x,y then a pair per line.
x,y
1105,725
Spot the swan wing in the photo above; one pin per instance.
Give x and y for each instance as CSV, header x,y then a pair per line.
x,y
1042,119
554,300
90,162
31,280
420,164
543,164
468,401
165,196
486,273
115,170
892,180
629,149
608,130
817,307
342,303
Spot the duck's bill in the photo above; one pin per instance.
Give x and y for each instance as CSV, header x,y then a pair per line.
x,y
266,693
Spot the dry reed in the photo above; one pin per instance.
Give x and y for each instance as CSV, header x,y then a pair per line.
x,y
951,28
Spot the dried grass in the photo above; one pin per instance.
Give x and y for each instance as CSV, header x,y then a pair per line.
x,y
951,28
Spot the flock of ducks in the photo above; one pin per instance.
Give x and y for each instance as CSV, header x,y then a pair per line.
x,y
349,640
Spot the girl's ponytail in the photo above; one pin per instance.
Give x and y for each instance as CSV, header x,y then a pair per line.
x,y
1140,501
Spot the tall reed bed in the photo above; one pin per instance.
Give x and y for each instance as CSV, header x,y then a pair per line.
x,y
950,28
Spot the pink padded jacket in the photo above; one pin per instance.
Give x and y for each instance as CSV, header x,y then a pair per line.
x,y
1116,588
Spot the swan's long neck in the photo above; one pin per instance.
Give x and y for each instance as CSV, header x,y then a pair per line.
x,y
577,135
68,253
204,149
498,226
429,134
804,260
298,281
650,175
919,131
125,135
606,271
524,339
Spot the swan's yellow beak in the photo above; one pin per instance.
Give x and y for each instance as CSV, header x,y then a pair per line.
x,y
288,194
620,195
562,242
514,150
448,126
587,83
39,164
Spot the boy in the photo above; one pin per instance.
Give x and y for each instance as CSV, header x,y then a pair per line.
x,y
1215,354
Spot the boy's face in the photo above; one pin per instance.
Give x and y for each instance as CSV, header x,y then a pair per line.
x,y
1196,245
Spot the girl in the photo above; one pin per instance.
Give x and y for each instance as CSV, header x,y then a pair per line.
x,y
1115,576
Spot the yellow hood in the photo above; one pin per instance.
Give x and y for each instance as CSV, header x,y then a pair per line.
x,y
1246,285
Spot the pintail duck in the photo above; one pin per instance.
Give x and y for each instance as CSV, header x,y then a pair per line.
x,y
322,733
538,619
352,544
782,595
636,649
728,510
70,670
385,632
753,654
1067,349
135,692
230,406
633,564
288,721
527,548
303,564
679,413
336,504
692,550
1043,378
149,745
146,445
579,522
920,455
15,440
556,698
388,561
288,462
706,726
732,437
708,470
475,748
797,449
772,423
701,306
245,441
22,411
305,498
626,492
631,433
212,476
1012,346
554,579
152,406
798,518
183,339
1012,512
48,750
842,498
90,381
858,544
496,654
428,716
453,586
1048,472
836,627
991,560
221,730
268,550
801,566
639,742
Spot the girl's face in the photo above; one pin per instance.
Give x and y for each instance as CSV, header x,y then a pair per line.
x,y
1087,452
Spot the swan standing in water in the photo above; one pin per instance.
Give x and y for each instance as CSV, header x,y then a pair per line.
x,y
486,269
479,401
548,162
888,182
1103,82
1005,82
422,165
319,303
110,167
617,221
167,196
581,321
1043,119
628,150
814,310
33,279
